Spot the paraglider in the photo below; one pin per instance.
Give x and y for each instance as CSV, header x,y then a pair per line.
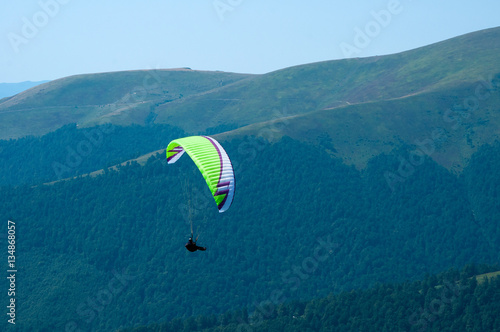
x,y
215,166
191,245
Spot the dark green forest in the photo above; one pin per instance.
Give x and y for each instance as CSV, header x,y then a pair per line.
x,y
107,252
69,151
451,301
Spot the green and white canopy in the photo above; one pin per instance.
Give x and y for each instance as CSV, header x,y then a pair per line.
x,y
213,163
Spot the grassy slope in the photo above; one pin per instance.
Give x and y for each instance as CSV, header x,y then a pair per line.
x,y
120,97
359,132
487,276
307,88
416,91
362,131
366,106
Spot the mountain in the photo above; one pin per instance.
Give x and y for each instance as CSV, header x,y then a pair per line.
x,y
10,89
330,85
362,107
119,98
349,174
441,93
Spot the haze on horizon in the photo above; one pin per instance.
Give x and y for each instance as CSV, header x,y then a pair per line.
x,y
50,39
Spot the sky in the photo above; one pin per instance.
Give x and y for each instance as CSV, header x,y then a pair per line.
x,y
50,39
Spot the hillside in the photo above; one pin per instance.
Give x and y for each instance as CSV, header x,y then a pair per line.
x,y
69,151
195,101
10,89
338,229
359,107
326,85
117,98
439,124
450,301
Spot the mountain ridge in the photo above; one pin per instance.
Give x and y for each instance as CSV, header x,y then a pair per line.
x,y
362,106
10,89
301,88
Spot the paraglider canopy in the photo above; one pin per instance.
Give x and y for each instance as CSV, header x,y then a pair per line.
x,y
213,163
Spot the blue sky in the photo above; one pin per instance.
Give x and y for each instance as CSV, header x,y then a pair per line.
x,y
50,39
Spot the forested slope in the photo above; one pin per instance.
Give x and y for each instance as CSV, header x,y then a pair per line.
x,y
451,301
302,224
70,151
